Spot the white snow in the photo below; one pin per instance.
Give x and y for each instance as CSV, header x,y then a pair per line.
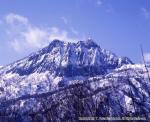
x,y
57,80
41,59
10,75
131,66
129,104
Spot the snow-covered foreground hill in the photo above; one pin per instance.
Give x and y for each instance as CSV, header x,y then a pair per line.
x,y
65,81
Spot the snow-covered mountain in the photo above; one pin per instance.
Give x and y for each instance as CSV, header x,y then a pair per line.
x,y
56,63
60,57
113,85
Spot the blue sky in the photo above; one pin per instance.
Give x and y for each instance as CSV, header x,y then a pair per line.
x,y
117,25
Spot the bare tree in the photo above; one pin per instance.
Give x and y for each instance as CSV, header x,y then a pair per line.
x,y
147,71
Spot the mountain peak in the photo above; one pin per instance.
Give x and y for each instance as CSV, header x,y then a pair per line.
x,y
84,58
90,42
55,43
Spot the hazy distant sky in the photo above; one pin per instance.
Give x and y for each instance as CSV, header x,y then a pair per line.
x,y
117,25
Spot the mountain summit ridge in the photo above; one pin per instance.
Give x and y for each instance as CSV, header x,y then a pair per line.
x,y
59,56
